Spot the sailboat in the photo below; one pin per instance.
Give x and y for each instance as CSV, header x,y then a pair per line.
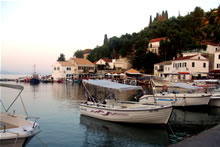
x,y
35,78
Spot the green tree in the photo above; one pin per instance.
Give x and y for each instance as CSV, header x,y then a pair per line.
x,y
61,58
79,54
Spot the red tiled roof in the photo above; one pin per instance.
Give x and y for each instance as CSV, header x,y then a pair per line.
x,y
209,43
107,60
81,61
185,58
157,39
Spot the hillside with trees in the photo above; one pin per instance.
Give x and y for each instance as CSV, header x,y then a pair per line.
x,y
183,33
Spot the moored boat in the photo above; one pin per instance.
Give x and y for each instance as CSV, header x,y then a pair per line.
x,y
194,97
123,111
16,130
34,80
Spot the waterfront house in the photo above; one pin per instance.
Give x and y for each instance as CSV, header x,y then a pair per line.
x,y
217,60
62,70
208,52
72,68
104,64
183,68
154,45
121,64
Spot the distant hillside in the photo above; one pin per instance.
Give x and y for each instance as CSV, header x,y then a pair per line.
x,y
8,73
183,33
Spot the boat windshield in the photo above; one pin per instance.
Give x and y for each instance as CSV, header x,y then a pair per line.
x,y
18,87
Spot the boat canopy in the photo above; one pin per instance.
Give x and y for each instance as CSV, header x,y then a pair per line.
x,y
11,86
112,85
207,80
186,86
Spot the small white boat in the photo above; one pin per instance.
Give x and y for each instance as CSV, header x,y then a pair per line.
x,y
16,130
124,111
177,99
181,99
213,86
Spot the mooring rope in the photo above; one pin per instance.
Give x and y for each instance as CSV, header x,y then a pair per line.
x,y
44,144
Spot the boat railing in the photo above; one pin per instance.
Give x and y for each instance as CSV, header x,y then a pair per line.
x,y
4,127
35,120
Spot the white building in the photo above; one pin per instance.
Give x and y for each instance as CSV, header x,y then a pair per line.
x,y
154,45
121,64
72,68
217,60
104,63
183,68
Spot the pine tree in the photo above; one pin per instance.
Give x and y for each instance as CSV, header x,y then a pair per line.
x,y
150,20
105,39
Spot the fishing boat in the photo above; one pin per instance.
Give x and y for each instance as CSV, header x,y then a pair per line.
x,y
194,97
34,80
16,130
115,110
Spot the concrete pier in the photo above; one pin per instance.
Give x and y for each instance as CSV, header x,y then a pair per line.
x,y
208,138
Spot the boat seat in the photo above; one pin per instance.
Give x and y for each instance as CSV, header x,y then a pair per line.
x,y
7,125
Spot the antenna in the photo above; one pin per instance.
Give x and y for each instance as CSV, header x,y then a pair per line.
x,y
34,68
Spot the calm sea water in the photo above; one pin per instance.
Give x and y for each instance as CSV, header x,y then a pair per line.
x,y
57,105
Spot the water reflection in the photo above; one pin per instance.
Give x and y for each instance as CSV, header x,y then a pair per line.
x,y
103,133
207,116
185,123
67,91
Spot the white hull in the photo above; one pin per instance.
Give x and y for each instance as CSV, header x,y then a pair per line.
x,y
143,114
177,99
17,130
215,101
13,142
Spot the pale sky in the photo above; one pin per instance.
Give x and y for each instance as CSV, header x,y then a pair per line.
x,y
37,31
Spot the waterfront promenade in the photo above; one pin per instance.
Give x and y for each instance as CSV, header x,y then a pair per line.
x,y
208,138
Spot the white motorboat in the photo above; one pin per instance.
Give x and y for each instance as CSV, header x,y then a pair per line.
x,y
177,99
16,130
180,99
123,111
213,86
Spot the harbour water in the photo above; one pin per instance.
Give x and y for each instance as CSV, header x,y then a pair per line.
x,y
57,105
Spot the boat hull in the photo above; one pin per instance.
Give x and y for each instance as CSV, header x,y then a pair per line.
x,y
16,130
20,142
149,116
214,102
34,81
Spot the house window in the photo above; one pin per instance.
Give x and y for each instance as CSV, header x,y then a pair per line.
x,y
68,68
54,68
199,58
193,64
150,45
204,65
58,68
216,49
218,56
218,65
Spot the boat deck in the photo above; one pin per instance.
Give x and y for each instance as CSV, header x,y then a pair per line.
x,y
8,126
